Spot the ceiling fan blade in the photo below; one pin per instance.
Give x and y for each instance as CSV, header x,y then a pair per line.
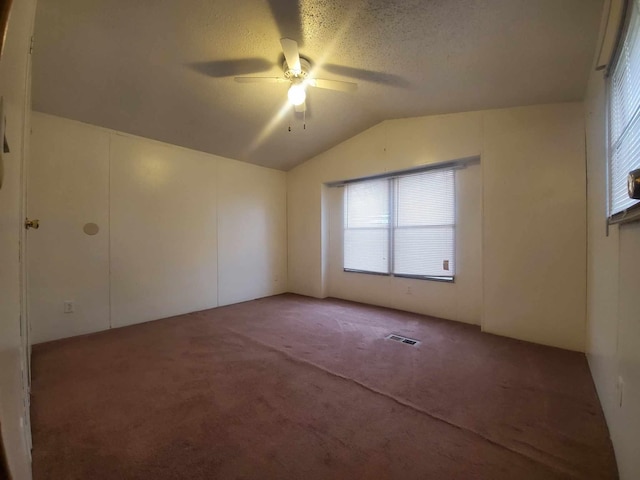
x,y
333,85
291,55
261,80
372,76
286,14
230,68
301,108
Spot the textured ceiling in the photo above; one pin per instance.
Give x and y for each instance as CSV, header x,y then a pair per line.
x,y
164,69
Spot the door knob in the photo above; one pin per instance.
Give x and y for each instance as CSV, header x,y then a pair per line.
x,y
31,224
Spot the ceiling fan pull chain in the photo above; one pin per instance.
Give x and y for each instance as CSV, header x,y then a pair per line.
x,y
304,119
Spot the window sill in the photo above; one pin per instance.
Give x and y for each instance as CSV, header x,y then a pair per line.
x,y
631,214
413,277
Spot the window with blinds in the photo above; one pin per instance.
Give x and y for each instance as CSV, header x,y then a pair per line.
x,y
624,114
402,226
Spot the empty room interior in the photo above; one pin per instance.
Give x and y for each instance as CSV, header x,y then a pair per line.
x,y
285,239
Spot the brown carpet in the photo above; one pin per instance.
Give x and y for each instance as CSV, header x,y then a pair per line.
x,y
290,387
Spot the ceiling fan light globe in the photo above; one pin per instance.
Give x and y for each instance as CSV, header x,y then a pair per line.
x,y
296,94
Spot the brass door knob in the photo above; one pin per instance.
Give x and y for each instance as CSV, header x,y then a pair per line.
x,y
31,224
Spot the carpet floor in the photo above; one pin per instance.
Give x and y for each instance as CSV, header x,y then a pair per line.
x,y
290,387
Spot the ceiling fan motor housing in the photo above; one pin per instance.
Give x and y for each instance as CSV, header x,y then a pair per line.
x,y
292,75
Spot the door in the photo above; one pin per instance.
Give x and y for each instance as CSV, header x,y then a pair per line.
x,y
24,311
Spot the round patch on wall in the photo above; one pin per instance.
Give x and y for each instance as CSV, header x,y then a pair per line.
x,y
90,228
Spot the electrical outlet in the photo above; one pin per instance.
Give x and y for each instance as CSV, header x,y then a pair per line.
x,y
409,292
68,307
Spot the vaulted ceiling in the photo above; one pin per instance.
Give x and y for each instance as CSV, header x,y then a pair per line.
x,y
164,69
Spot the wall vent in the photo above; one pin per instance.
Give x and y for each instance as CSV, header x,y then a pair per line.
x,y
406,340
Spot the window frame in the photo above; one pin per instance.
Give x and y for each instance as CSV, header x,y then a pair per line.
x,y
631,213
392,179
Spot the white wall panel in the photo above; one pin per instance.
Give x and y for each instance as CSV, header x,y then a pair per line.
x,y
252,232
163,231
602,259
534,245
157,250
613,327
68,187
627,435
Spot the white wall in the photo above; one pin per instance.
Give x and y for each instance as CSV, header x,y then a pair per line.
x,y
613,326
535,224
68,187
14,86
180,230
516,146
252,225
163,231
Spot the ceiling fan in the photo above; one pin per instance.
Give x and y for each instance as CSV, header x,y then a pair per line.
x,y
297,72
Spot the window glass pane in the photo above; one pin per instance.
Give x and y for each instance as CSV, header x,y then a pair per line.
x,y
425,199
421,220
625,157
423,241
366,250
366,221
624,115
424,250
367,204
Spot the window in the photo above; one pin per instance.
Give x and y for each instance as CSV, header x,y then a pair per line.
x,y
402,226
624,114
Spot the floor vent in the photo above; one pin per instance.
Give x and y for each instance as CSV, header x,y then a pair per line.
x,y
401,339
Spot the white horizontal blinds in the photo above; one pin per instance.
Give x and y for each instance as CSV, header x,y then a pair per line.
x,y
624,115
424,226
366,226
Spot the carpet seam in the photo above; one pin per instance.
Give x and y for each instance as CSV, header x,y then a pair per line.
x,y
401,402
